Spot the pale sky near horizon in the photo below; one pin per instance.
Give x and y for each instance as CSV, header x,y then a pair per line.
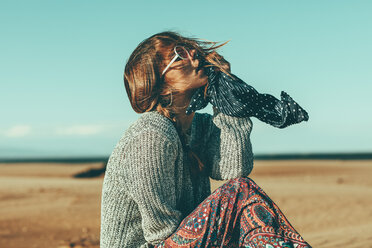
x,y
62,62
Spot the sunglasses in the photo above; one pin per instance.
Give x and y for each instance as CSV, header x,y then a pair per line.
x,y
180,52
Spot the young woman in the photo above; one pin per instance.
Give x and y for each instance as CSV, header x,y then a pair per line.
x,y
156,190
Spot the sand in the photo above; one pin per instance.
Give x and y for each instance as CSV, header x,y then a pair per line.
x,y
328,202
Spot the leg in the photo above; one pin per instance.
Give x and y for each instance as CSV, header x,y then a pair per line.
x,y
237,214
264,225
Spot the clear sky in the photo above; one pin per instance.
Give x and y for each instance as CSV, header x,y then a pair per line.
x,y
61,87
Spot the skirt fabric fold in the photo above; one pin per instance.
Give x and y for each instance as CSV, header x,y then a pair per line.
x,y
237,214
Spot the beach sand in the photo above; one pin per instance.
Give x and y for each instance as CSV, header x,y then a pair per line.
x,y
328,202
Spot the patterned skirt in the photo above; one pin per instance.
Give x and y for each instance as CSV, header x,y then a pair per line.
x,y
237,214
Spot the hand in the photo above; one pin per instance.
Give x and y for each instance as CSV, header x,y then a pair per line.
x,y
225,64
222,62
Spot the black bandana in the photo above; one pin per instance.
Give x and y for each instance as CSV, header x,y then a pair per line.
x,y
234,97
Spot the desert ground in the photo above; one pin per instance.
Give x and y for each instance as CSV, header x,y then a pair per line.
x,y
329,202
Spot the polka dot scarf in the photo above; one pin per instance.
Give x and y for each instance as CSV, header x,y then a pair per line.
x,y
234,97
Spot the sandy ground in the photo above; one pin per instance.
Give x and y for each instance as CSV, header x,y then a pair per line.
x,y
328,202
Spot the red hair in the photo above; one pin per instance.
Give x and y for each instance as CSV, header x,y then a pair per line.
x,y
144,84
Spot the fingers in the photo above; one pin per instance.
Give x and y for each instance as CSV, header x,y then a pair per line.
x,y
223,63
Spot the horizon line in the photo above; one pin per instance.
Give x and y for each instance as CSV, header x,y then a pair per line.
x,y
267,156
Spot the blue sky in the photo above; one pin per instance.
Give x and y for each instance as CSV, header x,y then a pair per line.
x,y
62,62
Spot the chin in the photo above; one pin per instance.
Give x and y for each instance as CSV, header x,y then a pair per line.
x,y
205,82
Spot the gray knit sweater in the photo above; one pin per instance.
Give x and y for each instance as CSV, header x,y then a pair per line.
x,y
148,189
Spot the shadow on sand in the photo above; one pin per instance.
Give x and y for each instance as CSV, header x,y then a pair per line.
x,y
93,172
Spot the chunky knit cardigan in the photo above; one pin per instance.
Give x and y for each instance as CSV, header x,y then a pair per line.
x,y
148,188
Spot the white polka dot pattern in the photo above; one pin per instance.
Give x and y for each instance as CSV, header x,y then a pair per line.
x,y
232,96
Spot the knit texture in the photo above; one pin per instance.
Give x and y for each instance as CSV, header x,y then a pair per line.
x,y
148,189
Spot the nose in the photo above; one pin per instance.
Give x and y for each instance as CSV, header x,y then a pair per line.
x,y
193,59
192,53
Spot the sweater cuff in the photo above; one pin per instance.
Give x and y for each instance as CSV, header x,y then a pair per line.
x,y
224,121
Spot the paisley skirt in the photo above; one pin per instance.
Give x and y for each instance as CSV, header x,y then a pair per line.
x,y
237,214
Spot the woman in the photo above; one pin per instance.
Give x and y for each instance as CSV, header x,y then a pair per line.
x,y
156,190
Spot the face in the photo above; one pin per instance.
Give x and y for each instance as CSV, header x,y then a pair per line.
x,y
184,75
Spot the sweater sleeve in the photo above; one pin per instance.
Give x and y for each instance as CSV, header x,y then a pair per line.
x,y
149,179
228,148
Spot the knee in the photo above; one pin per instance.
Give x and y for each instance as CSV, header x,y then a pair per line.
x,y
240,180
239,183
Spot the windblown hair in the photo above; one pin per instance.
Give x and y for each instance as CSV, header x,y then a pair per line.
x,y
145,85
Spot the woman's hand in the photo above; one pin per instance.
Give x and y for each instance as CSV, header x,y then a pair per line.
x,y
223,64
